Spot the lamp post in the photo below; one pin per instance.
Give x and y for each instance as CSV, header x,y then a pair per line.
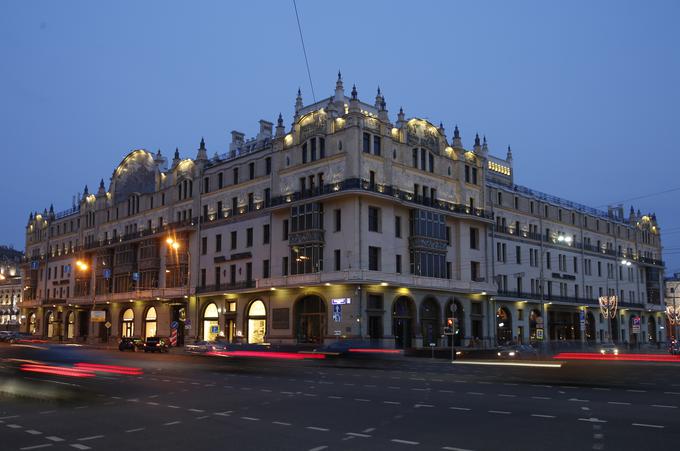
x,y
175,245
608,306
83,267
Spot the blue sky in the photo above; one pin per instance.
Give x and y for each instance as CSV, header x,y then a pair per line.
x,y
586,93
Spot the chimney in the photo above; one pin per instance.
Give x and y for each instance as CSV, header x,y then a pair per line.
x,y
266,128
237,139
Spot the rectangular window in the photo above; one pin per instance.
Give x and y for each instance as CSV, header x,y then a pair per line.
x,y
251,170
518,255
367,143
220,180
374,219
203,277
474,238
206,185
235,176
376,145
336,259
337,220
398,264
249,237
265,234
373,258
547,260
313,149
467,174
267,165
265,269
232,274
397,226
430,162
218,242
304,153
415,158
474,176
204,245
284,266
233,239
285,230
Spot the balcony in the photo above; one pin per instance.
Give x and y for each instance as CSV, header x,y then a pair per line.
x,y
553,298
222,287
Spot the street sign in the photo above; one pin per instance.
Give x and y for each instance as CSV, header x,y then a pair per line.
x,y
337,333
539,334
107,325
337,313
214,329
188,322
107,273
341,301
135,276
582,320
636,325
174,325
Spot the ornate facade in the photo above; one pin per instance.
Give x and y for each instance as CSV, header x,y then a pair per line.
x,y
343,224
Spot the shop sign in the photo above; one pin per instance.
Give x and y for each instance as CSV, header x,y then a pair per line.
x,y
337,313
539,334
636,325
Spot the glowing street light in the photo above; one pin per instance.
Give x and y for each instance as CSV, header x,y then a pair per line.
x,y
82,265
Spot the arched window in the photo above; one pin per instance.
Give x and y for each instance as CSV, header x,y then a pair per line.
x,y
70,325
150,323
31,324
211,325
50,325
128,323
257,322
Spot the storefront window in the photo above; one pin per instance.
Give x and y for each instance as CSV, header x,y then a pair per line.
x,y
129,323
150,321
31,324
211,326
257,322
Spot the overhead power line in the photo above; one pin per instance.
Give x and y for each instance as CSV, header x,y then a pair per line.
x,y
304,50
641,197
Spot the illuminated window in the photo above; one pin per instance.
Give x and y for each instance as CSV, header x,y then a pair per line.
x,y
211,327
128,323
257,322
150,323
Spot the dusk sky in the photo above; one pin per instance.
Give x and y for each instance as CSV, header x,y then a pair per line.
x,y
586,93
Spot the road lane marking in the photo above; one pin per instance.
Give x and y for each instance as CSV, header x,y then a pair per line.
x,y
618,403
592,420
451,448
446,391
203,417
44,445
539,415
636,391
45,412
578,400
654,426
404,442
335,397
671,393
151,403
54,438
391,387
503,395
368,430
281,423
33,432
171,423
315,428
9,417
14,426
534,365
250,419
601,389
357,434
135,430
541,397
196,410
662,406
92,437
173,407
500,412
392,402
319,448
459,408
79,446
474,393
422,405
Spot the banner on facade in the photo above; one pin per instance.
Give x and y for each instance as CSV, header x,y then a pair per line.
x,y
98,316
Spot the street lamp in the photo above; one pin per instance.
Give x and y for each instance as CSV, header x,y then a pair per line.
x,y
175,245
608,305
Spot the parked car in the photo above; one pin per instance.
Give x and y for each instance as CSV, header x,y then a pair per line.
x,y
609,348
130,344
517,352
156,344
5,334
15,337
199,347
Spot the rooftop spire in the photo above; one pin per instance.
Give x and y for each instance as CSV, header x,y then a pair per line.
x,y
101,184
456,132
298,102
354,92
508,157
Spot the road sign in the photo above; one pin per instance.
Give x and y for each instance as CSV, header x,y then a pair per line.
x,y
636,325
174,325
337,333
107,273
135,276
107,325
539,334
341,301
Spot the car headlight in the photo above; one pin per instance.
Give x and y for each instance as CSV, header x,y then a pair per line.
x,y
616,351
499,353
511,353
602,351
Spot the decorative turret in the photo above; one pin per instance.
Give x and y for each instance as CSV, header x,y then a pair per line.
x,y
477,148
457,143
339,97
175,161
202,154
400,118
280,129
102,190
485,147
298,102
86,192
30,217
51,213
378,100
631,215
331,108
354,101
160,160
508,157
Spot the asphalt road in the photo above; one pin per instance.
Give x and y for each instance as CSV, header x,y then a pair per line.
x,y
203,403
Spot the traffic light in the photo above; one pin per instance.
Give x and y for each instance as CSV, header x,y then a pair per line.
x,y
449,322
